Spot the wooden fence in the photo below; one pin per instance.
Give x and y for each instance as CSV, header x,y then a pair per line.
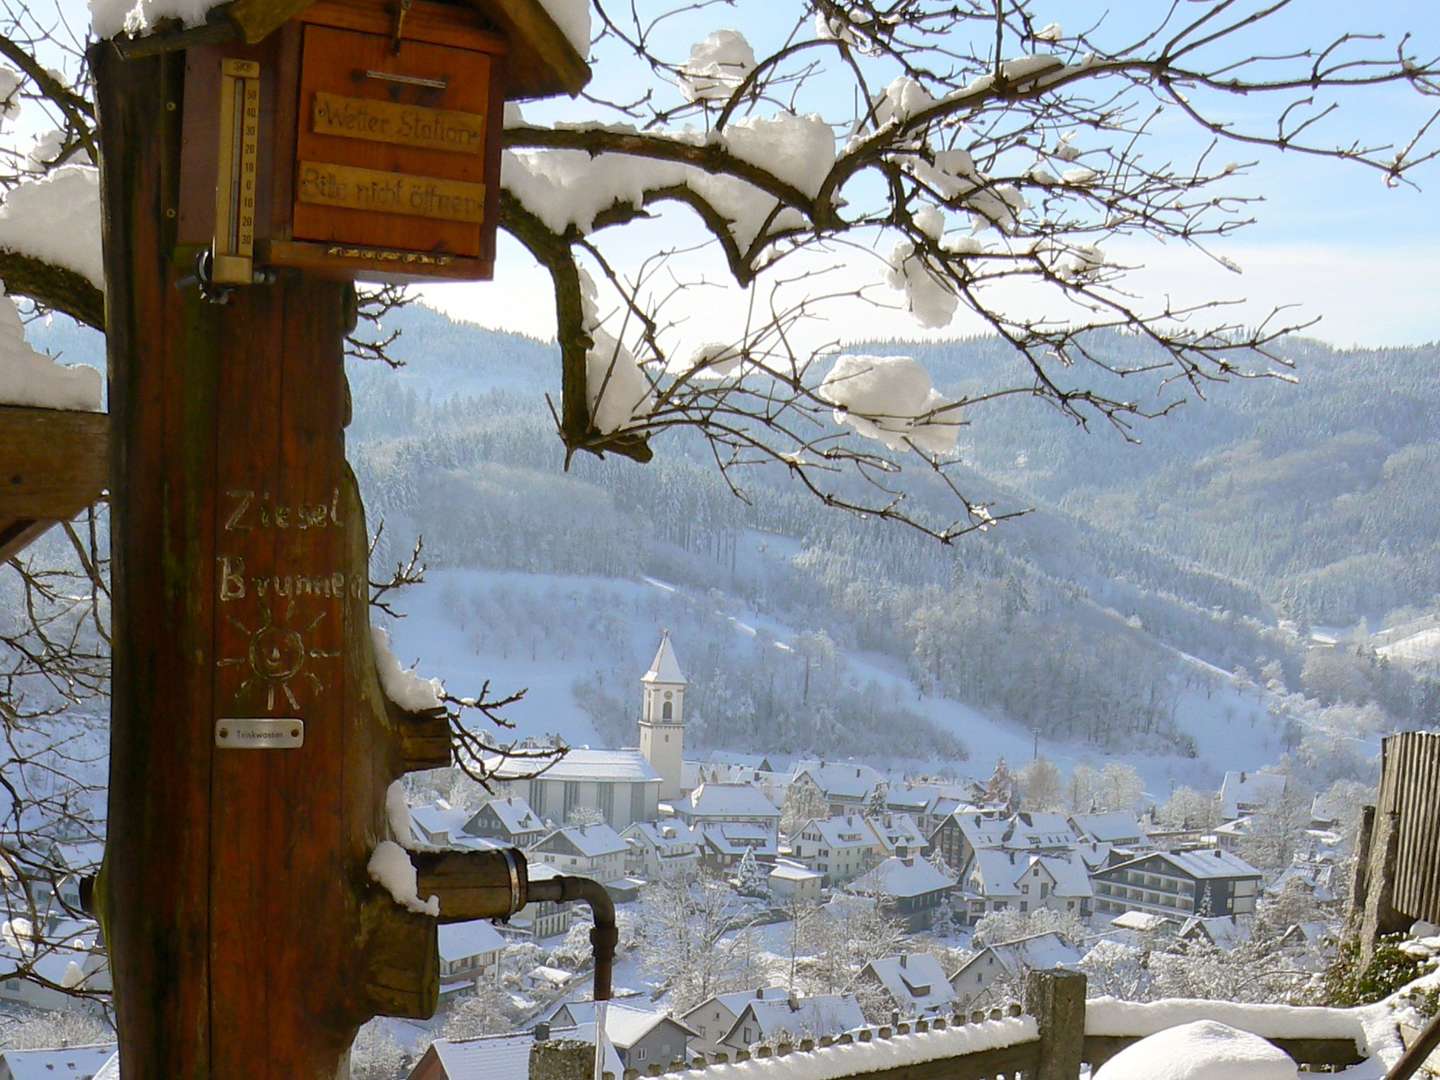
x,y
1048,1039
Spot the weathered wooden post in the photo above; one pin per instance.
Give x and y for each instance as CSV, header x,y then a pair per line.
x,y
1057,1001
270,156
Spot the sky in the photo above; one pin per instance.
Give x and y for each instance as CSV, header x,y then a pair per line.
x,y
1330,239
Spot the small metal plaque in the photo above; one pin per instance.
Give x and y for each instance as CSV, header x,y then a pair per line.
x,y
260,734
405,125
378,192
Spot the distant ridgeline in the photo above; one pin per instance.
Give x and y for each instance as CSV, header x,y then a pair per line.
x,y
1266,501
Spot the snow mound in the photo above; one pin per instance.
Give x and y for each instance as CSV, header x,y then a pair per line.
x,y
31,378
1201,1050
890,398
402,685
717,66
573,19
390,868
57,219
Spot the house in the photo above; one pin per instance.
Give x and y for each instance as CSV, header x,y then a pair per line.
x,y
469,951
914,983
908,889
620,785
544,918
713,1018
928,803
492,1056
724,844
898,834
70,1063
1113,827
1179,883
642,1038
841,848
1233,834
843,786
792,1018
1315,877
1003,880
509,820
66,952
1139,928
1224,932
961,835
658,848
546,977
437,823
792,883
1243,793
997,970
593,851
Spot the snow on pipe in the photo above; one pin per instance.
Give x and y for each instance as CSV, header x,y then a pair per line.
x,y
603,937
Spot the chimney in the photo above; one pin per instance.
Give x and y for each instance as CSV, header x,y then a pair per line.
x,y
857,772
903,958
760,994
1217,853
542,1032
794,1003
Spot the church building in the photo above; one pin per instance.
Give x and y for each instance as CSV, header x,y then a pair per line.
x,y
662,717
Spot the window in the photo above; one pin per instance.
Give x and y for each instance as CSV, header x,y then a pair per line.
x,y
1024,906
1044,890
667,712
641,1053
1025,889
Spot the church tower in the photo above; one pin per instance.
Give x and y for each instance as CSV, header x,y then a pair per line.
x,y
662,717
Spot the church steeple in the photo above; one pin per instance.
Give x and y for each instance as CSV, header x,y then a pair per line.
x,y
662,716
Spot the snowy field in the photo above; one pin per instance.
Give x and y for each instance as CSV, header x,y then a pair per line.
x,y
459,632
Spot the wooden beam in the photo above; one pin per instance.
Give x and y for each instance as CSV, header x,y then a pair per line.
x,y
53,462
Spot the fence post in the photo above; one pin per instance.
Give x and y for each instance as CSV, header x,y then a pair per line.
x,y
562,1059
1056,999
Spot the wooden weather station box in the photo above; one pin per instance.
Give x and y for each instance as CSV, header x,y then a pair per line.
x,y
357,138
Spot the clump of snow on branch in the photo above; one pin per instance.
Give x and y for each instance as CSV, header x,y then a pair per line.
x,y
892,399
1200,1050
390,868
717,66
712,360
402,685
57,219
618,391
902,99
799,150
31,378
10,82
929,298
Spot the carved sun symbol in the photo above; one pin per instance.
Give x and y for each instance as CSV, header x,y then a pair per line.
x,y
277,655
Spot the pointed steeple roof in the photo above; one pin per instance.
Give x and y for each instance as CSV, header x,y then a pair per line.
x,y
665,668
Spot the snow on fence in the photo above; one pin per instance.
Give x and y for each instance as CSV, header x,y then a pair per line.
x,y
1048,1040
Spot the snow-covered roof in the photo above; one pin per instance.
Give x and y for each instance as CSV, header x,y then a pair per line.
x,y
1202,865
998,872
823,1014
916,981
1318,878
842,832
790,871
1037,952
896,877
1242,790
1111,827
461,940
509,1055
1026,830
515,814
897,831
728,800
71,1063
625,1025
671,835
844,780
1140,921
736,1000
591,841
547,974
581,764
732,838
1224,931
1095,856
430,821
664,668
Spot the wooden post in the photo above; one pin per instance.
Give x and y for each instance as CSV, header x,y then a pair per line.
x,y
1056,999
1380,916
245,938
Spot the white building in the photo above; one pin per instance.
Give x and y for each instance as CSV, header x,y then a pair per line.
x,y
999,969
593,851
662,718
659,848
619,785
713,1018
841,848
793,1018
791,881
915,984
843,786
1243,793
1001,880
731,818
